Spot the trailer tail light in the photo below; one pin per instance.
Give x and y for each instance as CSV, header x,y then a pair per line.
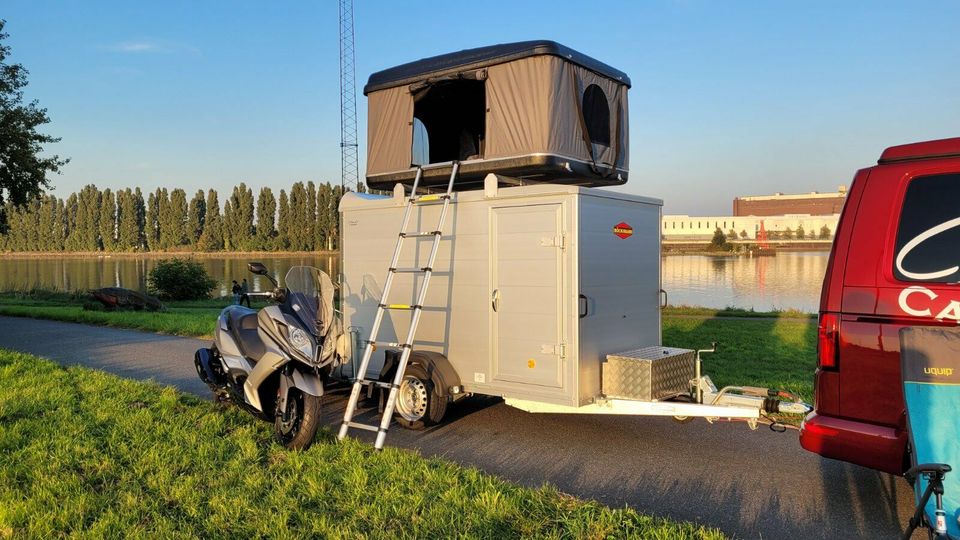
x,y
828,340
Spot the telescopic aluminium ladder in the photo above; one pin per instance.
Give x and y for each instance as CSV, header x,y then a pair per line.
x,y
405,346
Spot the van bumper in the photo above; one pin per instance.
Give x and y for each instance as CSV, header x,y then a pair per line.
x,y
877,447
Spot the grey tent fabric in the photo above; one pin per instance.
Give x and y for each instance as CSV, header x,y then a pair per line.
x,y
534,121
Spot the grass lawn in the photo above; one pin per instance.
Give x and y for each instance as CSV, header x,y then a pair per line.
x,y
776,349
85,453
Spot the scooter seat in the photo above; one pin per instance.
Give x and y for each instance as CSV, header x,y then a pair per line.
x,y
243,325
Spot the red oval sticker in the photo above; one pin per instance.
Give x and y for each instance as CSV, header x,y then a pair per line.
x,y
623,230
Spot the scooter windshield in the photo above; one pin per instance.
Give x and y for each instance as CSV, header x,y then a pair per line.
x,y
303,287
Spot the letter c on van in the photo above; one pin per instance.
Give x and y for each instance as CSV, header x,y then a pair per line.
x,y
905,295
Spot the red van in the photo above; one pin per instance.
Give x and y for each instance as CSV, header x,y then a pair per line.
x,y
895,262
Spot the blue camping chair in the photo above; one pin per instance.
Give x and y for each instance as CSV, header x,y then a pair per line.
x,y
930,365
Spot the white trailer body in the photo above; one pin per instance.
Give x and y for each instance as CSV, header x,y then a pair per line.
x,y
532,286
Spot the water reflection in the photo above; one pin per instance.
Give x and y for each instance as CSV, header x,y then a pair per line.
x,y
90,273
787,280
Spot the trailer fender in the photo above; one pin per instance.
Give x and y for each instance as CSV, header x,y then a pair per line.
x,y
436,365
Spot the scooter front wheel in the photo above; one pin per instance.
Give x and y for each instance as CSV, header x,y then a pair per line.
x,y
298,426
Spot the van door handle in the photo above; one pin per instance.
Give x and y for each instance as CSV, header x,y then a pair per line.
x,y
664,304
495,300
586,306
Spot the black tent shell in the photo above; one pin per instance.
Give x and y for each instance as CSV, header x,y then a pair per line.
x,y
481,57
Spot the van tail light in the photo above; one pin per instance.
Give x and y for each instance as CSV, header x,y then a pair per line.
x,y
828,340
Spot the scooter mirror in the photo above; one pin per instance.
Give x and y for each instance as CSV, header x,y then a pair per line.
x,y
257,268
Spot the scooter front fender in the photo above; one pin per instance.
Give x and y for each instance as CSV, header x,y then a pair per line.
x,y
308,383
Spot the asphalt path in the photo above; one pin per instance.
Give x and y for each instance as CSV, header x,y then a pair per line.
x,y
750,484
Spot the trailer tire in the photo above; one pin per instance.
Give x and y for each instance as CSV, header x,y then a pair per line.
x,y
420,403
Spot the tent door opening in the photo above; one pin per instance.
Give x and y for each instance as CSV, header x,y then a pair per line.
x,y
449,121
525,299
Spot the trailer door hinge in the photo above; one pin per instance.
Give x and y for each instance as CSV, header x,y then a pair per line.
x,y
556,350
555,241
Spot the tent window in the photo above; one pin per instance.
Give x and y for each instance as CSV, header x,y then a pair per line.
x,y
449,122
596,113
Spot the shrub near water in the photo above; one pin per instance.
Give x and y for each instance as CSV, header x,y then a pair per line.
x,y
180,279
87,454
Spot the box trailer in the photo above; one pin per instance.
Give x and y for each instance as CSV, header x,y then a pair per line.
x,y
532,285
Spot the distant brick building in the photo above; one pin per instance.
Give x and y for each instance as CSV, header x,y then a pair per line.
x,y
778,204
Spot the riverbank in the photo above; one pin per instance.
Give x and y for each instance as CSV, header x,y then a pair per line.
x,y
773,349
87,453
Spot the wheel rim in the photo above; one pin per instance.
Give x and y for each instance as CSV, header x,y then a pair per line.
x,y
288,429
412,399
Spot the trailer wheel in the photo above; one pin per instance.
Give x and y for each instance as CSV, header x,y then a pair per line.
x,y
419,403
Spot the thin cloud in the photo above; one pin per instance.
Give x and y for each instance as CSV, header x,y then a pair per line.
x,y
147,46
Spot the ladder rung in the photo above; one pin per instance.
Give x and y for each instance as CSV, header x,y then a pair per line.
x,y
420,234
411,270
429,198
378,384
400,306
367,427
389,344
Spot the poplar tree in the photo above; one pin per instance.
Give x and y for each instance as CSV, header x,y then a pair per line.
x,y
128,229
177,215
283,222
59,231
46,223
198,213
152,222
212,237
266,219
141,219
238,218
324,223
310,230
298,217
168,228
108,220
70,221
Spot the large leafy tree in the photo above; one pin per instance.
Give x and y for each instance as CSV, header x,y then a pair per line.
x,y
23,170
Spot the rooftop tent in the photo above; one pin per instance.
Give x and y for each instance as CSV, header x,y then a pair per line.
x,y
534,110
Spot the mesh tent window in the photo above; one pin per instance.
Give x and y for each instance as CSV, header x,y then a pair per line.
x,y
596,113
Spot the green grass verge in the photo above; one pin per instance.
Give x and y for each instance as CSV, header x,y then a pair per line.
x,y
84,453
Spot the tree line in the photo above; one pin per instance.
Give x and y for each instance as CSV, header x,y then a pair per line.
x,y
305,219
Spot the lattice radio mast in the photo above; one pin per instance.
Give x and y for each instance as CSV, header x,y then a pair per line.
x,y
349,167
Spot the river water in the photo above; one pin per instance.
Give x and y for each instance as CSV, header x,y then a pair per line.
x,y
788,280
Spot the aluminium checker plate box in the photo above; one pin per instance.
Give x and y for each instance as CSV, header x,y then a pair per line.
x,y
649,373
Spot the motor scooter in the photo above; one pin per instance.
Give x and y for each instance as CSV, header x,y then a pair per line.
x,y
274,362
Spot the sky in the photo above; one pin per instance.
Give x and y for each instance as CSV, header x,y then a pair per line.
x,y
728,98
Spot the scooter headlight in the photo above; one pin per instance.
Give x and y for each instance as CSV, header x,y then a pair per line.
x,y
300,340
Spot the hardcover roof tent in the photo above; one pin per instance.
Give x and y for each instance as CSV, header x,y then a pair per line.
x,y
534,110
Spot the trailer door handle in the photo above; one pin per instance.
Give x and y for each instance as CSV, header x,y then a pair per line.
x,y
495,300
586,306
664,304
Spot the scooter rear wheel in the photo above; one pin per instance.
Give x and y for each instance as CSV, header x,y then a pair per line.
x,y
302,421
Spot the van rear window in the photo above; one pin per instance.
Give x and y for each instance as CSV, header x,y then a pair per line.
x,y
929,234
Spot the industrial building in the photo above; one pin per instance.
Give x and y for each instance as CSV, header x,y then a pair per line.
x,y
779,204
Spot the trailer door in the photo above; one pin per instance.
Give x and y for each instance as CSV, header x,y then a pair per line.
x,y
525,297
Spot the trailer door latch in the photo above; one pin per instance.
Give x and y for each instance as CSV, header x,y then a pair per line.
x,y
554,241
556,350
